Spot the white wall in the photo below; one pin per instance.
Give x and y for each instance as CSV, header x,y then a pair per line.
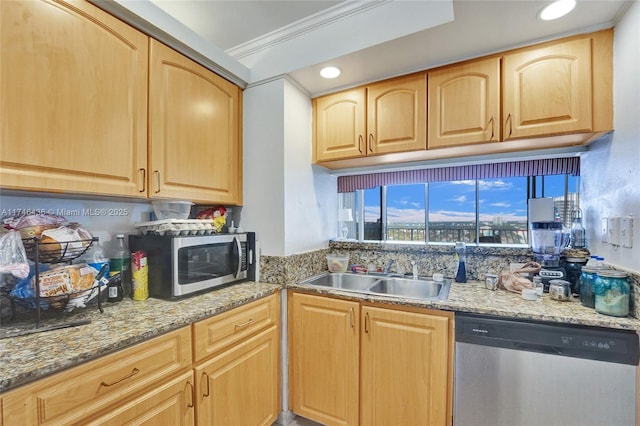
x,y
263,164
310,192
287,201
610,170
103,217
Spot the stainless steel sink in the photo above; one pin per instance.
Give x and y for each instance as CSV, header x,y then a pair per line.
x,y
404,287
387,285
343,281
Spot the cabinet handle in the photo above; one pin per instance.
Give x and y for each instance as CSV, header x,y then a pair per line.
x,y
191,394
366,322
133,373
244,324
360,143
157,173
371,141
492,127
508,120
351,316
144,179
205,394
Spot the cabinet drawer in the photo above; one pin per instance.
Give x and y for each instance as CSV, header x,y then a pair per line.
x,y
220,331
70,396
169,403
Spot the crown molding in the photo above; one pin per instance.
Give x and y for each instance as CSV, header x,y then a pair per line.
x,y
306,25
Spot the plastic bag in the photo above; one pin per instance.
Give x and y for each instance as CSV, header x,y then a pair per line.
x,y
514,281
13,258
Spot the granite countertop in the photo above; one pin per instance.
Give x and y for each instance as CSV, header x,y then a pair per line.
x,y
29,357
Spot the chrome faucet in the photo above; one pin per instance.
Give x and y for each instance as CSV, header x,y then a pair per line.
x,y
387,267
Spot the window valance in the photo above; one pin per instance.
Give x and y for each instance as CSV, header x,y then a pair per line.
x,y
542,167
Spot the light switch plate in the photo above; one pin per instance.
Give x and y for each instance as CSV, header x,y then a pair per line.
x,y
626,231
604,232
614,230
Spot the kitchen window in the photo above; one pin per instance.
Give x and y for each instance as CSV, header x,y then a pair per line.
x,y
488,211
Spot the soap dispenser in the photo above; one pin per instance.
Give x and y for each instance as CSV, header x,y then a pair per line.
x,y
461,256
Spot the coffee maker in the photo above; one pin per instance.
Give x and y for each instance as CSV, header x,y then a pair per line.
x,y
548,240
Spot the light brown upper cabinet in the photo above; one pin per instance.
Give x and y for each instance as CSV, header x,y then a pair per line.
x,y
194,131
381,118
73,109
464,104
548,90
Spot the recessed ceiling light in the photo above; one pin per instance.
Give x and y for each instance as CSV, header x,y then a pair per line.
x,y
330,72
557,9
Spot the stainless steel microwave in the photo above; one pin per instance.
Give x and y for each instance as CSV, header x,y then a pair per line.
x,y
186,265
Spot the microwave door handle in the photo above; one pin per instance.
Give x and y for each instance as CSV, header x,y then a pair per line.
x,y
239,251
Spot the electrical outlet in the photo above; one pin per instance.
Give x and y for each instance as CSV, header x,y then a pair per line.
x,y
604,231
626,231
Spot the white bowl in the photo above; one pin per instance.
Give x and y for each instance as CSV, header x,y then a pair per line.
x,y
167,209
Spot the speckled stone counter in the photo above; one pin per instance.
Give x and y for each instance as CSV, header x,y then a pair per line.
x,y
29,357
26,358
473,297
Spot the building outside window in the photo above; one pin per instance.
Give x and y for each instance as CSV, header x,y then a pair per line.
x,y
489,211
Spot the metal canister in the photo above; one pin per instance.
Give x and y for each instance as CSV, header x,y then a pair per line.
x,y
573,267
587,283
140,275
612,291
560,290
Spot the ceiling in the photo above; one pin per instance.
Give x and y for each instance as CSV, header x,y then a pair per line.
x,y
373,40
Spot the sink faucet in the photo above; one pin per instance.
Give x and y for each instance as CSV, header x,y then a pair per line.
x,y
414,268
387,267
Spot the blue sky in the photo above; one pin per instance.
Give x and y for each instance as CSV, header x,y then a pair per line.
x,y
455,201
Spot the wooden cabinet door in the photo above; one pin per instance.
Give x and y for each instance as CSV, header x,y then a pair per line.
x,y
547,90
464,104
340,127
73,109
194,136
170,403
324,356
404,368
397,115
240,386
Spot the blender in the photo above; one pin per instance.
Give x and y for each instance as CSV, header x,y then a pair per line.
x,y
548,239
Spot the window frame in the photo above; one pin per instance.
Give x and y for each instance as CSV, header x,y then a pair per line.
x,y
532,188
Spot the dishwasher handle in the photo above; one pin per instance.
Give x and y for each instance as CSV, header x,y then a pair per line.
x,y
545,349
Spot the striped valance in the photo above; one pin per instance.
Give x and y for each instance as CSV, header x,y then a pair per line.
x,y
549,166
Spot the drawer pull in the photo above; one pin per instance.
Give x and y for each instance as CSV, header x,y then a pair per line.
x,y
133,373
366,322
244,324
351,318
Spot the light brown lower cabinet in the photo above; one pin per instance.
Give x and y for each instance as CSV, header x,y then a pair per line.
x,y
240,386
237,365
170,403
370,364
107,384
236,368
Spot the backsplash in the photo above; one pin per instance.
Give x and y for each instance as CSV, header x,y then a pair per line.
x,y
429,259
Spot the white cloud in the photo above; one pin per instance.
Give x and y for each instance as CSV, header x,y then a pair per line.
x,y
460,199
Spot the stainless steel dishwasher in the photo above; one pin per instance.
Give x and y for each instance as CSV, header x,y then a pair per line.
x,y
526,373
